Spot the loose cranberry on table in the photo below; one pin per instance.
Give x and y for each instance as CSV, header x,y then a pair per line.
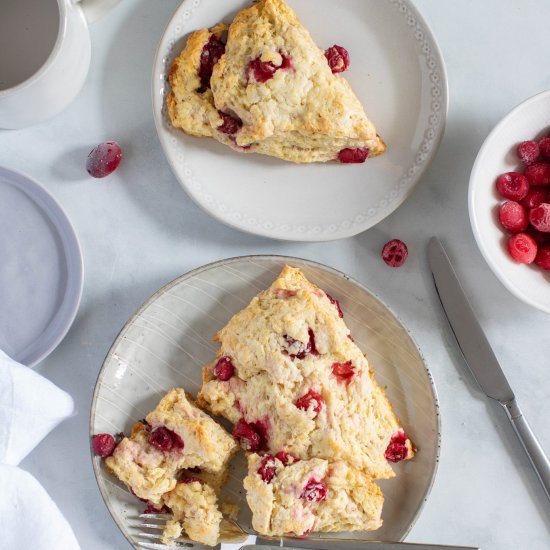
x,y
104,159
513,217
522,248
224,369
355,155
395,253
513,186
165,440
103,445
338,59
528,151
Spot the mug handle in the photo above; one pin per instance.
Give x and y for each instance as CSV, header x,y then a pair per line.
x,y
95,9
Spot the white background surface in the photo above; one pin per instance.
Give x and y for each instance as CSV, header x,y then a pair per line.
x,y
139,230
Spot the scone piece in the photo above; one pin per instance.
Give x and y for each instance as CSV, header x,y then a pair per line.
x,y
195,512
272,91
310,495
175,436
291,379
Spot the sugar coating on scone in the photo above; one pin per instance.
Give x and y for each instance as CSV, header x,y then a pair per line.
x,y
195,512
272,91
299,383
177,435
310,495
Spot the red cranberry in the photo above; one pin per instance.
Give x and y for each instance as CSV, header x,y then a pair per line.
x,y
224,369
311,399
103,445
151,509
350,337
528,151
314,491
302,349
544,147
535,196
395,253
231,125
540,238
540,217
397,449
210,55
265,70
165,440
104,159
189,479
538,173
338,59
543,258
247,435
513,186
354,155
286,458
523,248
267,468
513,217
263,427
336,303
344,372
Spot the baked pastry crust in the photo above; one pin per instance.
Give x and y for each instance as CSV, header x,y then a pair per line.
x,y
304,113
288,342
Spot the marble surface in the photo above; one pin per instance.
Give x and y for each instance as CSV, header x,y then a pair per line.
x,y
138,230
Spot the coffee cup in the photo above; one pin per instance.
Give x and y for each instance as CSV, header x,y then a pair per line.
x,y
45,53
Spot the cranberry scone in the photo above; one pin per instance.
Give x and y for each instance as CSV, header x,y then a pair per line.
x,y
291,379
296,498
270,89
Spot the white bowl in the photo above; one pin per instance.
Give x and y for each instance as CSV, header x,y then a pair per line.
x,y
529,120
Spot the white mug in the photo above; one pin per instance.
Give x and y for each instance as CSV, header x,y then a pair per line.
x,y
44,56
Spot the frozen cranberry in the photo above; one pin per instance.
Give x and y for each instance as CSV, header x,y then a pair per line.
x,y
337,304
543,258
540,217
354,155
528,151
397,449
231,125
540,238
300,348
343,372
210,55
152,509
338,59
513,217
165,440
247,435
286,458
535,196
538,173
513,186
544,147
395,253
103,445
522,248
314,491
265,70
224,369
104,159
267,468
312,400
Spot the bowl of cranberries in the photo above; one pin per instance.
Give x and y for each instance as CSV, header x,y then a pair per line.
x,y
509,201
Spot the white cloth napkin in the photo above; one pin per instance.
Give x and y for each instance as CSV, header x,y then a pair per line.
x,y
30,407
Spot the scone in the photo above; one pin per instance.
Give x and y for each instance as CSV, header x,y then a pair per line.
x,y
291,379
310,495
177,458
271,91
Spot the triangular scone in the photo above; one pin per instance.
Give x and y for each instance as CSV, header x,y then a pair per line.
x,y
291,379
272,92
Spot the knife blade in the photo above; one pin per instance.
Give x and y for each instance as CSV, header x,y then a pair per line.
x,y
479,355
345,544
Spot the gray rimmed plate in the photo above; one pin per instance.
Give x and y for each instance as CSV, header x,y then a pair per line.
x,y
168,339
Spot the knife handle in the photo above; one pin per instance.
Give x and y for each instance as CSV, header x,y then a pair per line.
x,y
530,443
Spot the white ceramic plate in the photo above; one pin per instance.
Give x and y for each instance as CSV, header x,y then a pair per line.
x,y
529,120
397,72
40,269
169,338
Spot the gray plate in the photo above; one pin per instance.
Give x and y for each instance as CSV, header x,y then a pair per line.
x,y
40,269
169,338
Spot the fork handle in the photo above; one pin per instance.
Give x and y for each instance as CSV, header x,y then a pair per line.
x,y
347,544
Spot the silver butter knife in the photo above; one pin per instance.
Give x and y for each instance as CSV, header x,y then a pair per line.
x,y
480,357
345,544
